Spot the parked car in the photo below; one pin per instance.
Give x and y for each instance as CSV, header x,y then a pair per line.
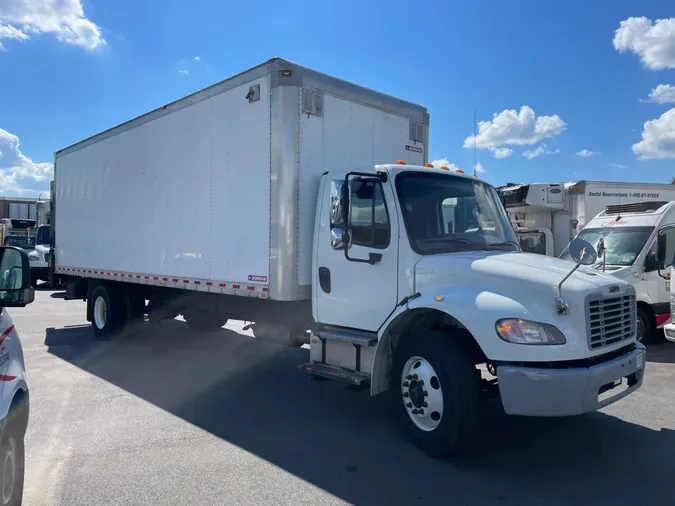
x,y
15,291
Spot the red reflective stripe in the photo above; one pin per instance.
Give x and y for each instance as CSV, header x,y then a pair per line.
x,y
165,279
208,283
198,282
660,319
7,378
250,287
266,289
236,286
175,280
186,281
222,285
4,335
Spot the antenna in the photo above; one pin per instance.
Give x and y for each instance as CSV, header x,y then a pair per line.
x,y
474,142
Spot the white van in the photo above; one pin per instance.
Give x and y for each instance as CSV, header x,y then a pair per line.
x,y
639,242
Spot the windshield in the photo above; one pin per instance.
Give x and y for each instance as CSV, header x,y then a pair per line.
x,y
43,235
445,214
19,241
622,245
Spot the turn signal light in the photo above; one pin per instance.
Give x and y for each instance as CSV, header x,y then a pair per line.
x,y
400,162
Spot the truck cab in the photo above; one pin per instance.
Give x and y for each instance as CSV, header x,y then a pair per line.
x,y
637,245
420,276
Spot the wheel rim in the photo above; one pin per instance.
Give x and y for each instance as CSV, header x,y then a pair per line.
x,y
9,472
100,312
422,394
640,331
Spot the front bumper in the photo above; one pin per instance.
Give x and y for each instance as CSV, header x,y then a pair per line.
x,y
669,331
535,391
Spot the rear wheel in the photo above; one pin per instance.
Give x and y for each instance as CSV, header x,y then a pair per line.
x,y
107,312
436,392
205,322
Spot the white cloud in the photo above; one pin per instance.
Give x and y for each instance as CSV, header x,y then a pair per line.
x,y
653,42
197,58
540,150
616,165
18,173
502,152
658,138
21,19
663,94
586,153
479,168
444,162
184,72
510,127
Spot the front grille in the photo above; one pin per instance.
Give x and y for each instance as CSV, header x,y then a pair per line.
x,y
610,321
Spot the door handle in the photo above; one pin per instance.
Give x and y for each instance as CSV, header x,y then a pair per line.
x,y
324,279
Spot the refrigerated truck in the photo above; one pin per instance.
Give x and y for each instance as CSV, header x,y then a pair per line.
x,y
547,216
639,242
399,276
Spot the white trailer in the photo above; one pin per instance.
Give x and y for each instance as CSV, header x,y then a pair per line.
x,y
547,216
399,276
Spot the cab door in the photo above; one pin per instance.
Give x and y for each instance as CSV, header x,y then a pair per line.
x,y
357,289
658,273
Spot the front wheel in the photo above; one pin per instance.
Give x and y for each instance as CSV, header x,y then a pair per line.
x,y
645,327
12,459
436,392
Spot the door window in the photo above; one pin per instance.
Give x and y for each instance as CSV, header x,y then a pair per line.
x,y
369,221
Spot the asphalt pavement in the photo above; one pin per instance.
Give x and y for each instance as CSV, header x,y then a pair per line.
x,y
172,416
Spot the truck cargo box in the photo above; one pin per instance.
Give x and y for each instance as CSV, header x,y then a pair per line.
x,y
217,191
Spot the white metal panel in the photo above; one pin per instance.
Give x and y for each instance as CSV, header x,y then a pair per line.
x,y
186,194
349,136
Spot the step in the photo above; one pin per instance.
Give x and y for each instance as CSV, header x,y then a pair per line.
x,y
337,373
358,338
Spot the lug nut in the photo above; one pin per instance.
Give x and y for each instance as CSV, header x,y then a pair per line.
x,y
414,411
409,405
425,405
406,394
406,384
425,393
420,411
408,377
414,376
420,382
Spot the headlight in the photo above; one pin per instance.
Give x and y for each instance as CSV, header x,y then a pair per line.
x,y
513,330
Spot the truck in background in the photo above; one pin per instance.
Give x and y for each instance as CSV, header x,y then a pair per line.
x,y
547,216
637,243
399,276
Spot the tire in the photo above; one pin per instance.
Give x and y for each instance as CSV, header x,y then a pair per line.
x,y
134,313
12,461
108,314
205,322
645,326
452,384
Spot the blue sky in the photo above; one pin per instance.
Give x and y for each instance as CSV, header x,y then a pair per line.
x,y
71,68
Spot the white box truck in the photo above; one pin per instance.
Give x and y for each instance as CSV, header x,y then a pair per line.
x,y
638,243
547,216
398,276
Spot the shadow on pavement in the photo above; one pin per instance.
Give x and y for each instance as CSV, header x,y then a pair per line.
x,y
662,352
249,393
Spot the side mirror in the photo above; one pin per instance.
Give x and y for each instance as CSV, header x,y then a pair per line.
x,y
651,262
15,282
582,252
661,250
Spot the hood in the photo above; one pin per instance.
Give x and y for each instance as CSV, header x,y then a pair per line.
x,y
510,270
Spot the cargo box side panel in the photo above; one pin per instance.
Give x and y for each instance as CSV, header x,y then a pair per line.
x,y
183,195
349,135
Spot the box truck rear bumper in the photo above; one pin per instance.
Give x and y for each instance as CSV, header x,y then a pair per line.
x,y
532,391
